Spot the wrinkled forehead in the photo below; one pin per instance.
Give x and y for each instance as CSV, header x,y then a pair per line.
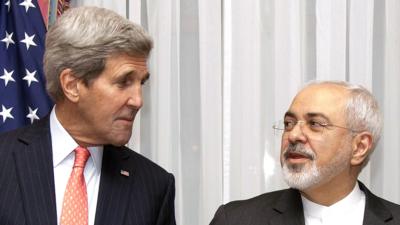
x,y
327,99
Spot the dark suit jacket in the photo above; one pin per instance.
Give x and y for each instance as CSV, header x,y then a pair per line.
x,y
27,193
285,208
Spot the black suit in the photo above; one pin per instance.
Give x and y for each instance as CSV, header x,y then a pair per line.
x,y
27,193
285,208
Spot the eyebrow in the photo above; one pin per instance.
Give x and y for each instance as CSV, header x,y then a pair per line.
x,y
311,115
290,114
308,115
133,73
146,78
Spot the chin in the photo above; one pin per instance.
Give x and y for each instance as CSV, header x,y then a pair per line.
x,y
120,140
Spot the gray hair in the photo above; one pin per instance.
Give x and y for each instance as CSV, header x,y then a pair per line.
x,y
83,38
362,109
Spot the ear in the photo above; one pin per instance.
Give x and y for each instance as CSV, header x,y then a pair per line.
x,y
69,84
361,146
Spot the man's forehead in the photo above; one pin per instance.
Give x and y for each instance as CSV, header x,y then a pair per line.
x,y
323,98
140,62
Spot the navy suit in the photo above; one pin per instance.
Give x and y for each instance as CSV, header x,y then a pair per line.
x,y
285,208
27,194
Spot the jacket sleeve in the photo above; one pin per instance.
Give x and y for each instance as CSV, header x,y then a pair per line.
x,y
219,217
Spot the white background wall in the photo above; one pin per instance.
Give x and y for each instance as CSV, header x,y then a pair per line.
x,y
224,71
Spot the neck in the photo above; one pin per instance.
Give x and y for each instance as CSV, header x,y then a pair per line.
x,y
70,120
331,192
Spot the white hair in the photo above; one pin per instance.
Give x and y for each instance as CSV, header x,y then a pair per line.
x,y
362,109
83,38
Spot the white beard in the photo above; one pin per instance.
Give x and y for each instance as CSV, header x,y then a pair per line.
x,y
303,176
300,177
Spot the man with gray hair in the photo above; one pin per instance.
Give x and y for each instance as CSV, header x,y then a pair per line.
x,y
72,168
328,134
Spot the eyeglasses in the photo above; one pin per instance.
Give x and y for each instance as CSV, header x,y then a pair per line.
x,y
312,125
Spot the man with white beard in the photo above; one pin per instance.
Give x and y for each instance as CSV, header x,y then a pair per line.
x,y
328,134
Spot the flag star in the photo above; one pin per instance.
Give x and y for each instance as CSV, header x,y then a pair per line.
x,y
7,76
6,113
30,77
8,4
32,114
27,4
28,41
8,39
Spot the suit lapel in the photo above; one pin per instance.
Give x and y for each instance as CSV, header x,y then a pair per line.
x,y
375,212
289,208
34,166
114,186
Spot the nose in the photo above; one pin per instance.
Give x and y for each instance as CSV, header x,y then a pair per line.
x,y
136,99
297,133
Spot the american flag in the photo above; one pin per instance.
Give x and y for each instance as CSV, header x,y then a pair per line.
x,y
23,98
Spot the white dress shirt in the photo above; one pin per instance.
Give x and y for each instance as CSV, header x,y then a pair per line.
x,y
348,211
63,160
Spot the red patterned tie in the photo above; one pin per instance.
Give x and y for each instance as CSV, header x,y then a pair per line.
x,y
75,204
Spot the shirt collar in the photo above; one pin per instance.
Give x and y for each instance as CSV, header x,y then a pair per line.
x,y
63,144
316,210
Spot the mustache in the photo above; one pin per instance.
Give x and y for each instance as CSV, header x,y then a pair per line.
x,y
298,148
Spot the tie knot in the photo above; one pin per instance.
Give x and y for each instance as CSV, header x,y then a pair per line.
x,y
81,156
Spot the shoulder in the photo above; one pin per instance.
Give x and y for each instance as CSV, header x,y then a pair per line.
x,y
385,210
146,162
264,200
379,207
141,165
375,202
153,188
12,135
11,140
256,208
393,207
